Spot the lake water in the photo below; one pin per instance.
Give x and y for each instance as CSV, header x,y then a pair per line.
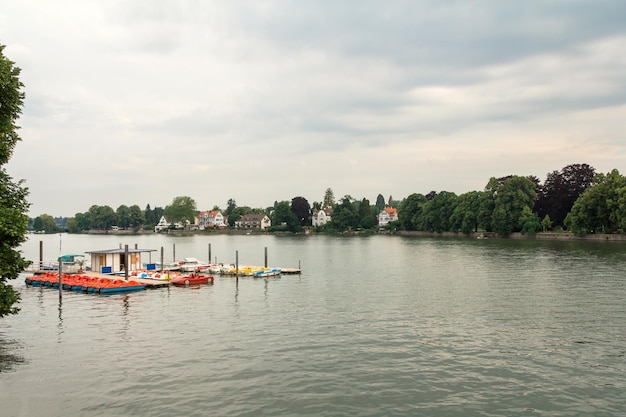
x,y
374,326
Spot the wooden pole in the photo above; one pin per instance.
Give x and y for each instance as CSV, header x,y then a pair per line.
x,y
161,259
40,254
174,251
237,265
265,265
126,262
209,253
60,276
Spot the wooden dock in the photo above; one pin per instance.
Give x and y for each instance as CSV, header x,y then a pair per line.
x,y
290,271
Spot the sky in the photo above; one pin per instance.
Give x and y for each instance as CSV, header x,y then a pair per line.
x,y
138,102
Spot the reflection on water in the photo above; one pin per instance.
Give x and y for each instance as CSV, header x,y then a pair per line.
x,y
10,356
375,326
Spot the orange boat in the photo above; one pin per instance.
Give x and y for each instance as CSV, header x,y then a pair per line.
x,y
192,279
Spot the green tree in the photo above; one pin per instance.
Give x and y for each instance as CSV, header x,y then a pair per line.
x,y
345,215
283,218
329,198
182,209
72,225
231,205
367,214
83,221
529,222
153,216
601,208
136,216
465,217
380,202
123,216
546,223
13,204
437,212
45,223
410,211
511,197
102,217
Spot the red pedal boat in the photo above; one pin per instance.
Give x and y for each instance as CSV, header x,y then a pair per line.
x,y
192,279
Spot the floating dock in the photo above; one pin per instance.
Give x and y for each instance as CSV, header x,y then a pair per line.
x,y
93,282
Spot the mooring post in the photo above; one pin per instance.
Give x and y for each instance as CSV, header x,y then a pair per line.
x,y
161,259
237,265
174,251
40,255
209,253
265,257
126,262
60,276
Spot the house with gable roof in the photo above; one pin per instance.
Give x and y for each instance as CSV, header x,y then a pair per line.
x,y
165,224
211,218
387,215
321,217
253,221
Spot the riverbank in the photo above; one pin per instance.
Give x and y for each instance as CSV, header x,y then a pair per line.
x,y
603,237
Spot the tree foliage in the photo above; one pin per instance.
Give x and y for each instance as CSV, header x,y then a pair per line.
x,y
13,204
561,189
130,217
283,218
45,223
302,210
602,207
465,216
410,211
346,214
512,197
329,198
380,202
102,217
437,212
152,216
230,206
182,209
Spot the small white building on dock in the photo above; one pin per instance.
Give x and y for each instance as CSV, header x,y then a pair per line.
x,y
110,261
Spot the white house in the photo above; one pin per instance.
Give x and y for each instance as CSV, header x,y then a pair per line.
x,y
165,224
210,218
321,217
162,224
388,214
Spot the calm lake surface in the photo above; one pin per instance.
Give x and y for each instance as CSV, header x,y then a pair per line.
x,y
374,326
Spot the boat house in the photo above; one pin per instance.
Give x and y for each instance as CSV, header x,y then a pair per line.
x,y
111,261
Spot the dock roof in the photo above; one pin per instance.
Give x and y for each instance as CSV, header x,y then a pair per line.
x,y
120,250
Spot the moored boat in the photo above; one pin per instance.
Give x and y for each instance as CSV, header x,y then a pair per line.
x,y
192,265
192,279
267,272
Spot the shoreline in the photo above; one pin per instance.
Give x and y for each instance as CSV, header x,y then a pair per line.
x,y
562,236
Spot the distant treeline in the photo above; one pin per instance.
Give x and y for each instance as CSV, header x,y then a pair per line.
x,y
575,198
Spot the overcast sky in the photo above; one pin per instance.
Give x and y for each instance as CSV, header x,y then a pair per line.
x,y
137,102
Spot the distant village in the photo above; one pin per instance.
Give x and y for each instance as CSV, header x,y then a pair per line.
x,y
291,216
214,219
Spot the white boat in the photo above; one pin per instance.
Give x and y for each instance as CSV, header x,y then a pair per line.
x,y
193,265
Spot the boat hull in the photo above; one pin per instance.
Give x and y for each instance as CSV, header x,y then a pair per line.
x,y
193,279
